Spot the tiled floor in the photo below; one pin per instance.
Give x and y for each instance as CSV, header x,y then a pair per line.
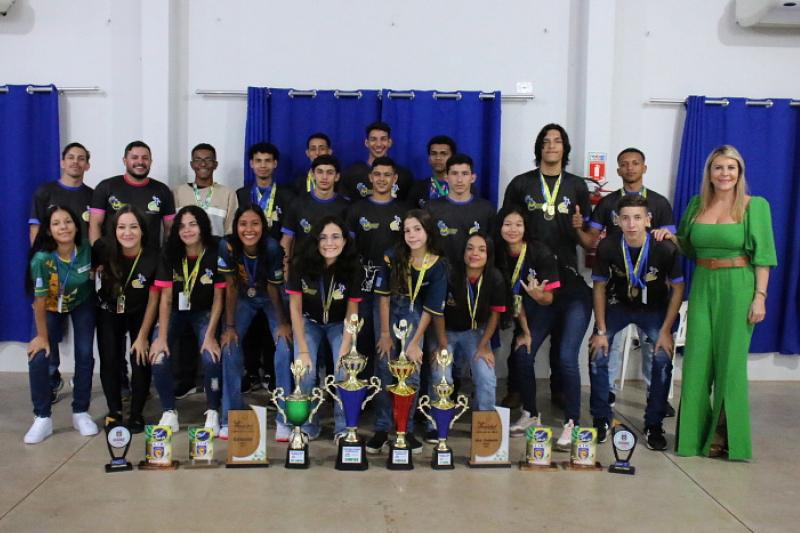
x,y
60,484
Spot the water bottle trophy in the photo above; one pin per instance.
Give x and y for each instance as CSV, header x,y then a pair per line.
x,y
351,395
297,411
402,400
443,413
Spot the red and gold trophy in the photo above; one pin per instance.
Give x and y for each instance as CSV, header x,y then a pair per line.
x,y
403,396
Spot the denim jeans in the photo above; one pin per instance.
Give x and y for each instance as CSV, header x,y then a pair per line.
x,y
162,370
316,334
233,358
464,345
571,311
383,402
615,356
39,367
617,318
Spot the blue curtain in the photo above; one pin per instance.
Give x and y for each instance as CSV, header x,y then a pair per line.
x,y
474,124
769,140
257,125
29,149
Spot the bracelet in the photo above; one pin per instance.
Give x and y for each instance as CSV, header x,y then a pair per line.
x,y
762,293
600,332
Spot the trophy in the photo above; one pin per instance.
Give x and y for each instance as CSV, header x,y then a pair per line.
x,y
158,449
443,413
538,450
623,440
351,395
402,400
201,448
584,450
297,411
118,437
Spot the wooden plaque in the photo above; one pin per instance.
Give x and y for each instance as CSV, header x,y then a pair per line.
x,y
247,437
490,438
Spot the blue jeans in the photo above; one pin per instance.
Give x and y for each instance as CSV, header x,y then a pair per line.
x,y
315,335
233,358
572,311
464,345
212,370
615,357
39,367
617,318
383,402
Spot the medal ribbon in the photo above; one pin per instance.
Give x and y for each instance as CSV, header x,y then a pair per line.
x,y
62,285
130,274
189,280
413,295
309,181
642,193
634,273
326,300
250,268
472,307
202,204
438,189
550,196
263,203
515,282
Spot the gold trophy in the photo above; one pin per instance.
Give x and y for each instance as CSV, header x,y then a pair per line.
x,y
443,413
402,400
297,410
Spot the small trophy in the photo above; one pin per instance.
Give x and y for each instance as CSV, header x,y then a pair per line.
x,y
118,438
443,413
158,449
538,450
584,450
297,411
402,401
351,395
623,440
201,448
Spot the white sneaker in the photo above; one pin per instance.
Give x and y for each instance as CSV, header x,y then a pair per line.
x,y
223,433
212,421
41,428
564,442
282,432
170,418
84,424
522,424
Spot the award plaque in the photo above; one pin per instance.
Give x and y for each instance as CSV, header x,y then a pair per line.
x,y
297,410
351,396
201,448
118,440
538,450
624,442
402,400
247,438
158,449
584,450
489,446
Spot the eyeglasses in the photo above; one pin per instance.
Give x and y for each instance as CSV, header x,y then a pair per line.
x,y
336,237
204,160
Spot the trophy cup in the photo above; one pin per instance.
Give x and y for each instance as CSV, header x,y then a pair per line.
x,y
624,440
402,400
118,437
297,411
443,413
351,395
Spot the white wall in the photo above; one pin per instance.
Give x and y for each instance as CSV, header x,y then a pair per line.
x,y
593,64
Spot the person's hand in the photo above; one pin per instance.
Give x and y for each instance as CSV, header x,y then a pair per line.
x,y
139,350
284,331
305,358
665,342
534,289
228,336
757,310
598,342
384,345
36,345
662,233
485,352
211,346
158,347
414,353
523,339
577,218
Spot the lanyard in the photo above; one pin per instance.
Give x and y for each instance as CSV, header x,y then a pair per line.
x,y
62,285
310,181
634,273
472,307
438,189
413,295
189,280
250,267
130,274
203,204
550,196
326,300
263,203
642,193
518,268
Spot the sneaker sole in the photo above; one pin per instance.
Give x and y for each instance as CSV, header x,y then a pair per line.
x,y
377,451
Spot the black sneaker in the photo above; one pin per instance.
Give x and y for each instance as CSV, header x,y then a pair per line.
x,y
183,392
376,444
136,424
414,444
612,399
655,438
669,412
431,436
54,397
601,424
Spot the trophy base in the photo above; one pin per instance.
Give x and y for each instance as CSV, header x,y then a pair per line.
x,y
530,467
264,464
202,463
442,459
569,465
399,459
119,467
297,459
144,465
622,468
494,464
351,456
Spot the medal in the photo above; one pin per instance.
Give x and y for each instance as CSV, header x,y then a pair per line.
x,y
633,292
266,204
121,295
549,207
472,306
326,300
515,281
549,212
517,309
413,294
634,273
202,204
251,292
250,267
189,280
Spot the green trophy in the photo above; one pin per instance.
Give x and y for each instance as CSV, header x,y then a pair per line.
x,y
402,400
297,410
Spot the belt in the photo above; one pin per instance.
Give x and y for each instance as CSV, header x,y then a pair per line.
x,y
730,262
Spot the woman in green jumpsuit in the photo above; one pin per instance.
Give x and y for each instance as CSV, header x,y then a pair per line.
x,y
729,235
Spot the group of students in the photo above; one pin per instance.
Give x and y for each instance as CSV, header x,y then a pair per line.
x,y
369,240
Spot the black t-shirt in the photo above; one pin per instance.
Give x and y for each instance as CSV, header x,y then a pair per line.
x,y
151,197
663,263
456,221
377,227
56,193
525,191
432,291
300,183
604,215
423,192
307,210
317,291
491,297
355,184
246,269
170,276
141,279
538,262
280,209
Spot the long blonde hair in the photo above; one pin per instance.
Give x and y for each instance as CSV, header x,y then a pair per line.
x,y
707,188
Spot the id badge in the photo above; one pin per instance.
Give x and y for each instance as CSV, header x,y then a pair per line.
x,y
60,303
98,282
183,301
517,305
644,295
120,304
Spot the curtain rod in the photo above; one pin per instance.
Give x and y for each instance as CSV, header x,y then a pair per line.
x,y
358,94
765,102
30,89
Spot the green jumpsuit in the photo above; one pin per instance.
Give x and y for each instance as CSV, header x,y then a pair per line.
x,y
718,333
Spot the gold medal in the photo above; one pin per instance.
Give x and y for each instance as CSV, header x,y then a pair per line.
x,y
120,304
549,212
633,292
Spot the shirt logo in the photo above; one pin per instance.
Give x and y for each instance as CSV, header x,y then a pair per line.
x,y
475,227
444,231
306,289
563,207
115,204
39,283
394,225
139,281
306,225
366,225
652,274
154,205
531,274
338,292
207,278
363,190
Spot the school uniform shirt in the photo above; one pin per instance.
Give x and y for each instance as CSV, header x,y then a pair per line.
x,y
218,201
376,227
488,288
276,217
56,193
270,258
308,210
662,264
422,192
354,183
73,279
456,221
539,263
525,191
170,276
605,213
151,197
303,183
432,292
137,277
317,291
